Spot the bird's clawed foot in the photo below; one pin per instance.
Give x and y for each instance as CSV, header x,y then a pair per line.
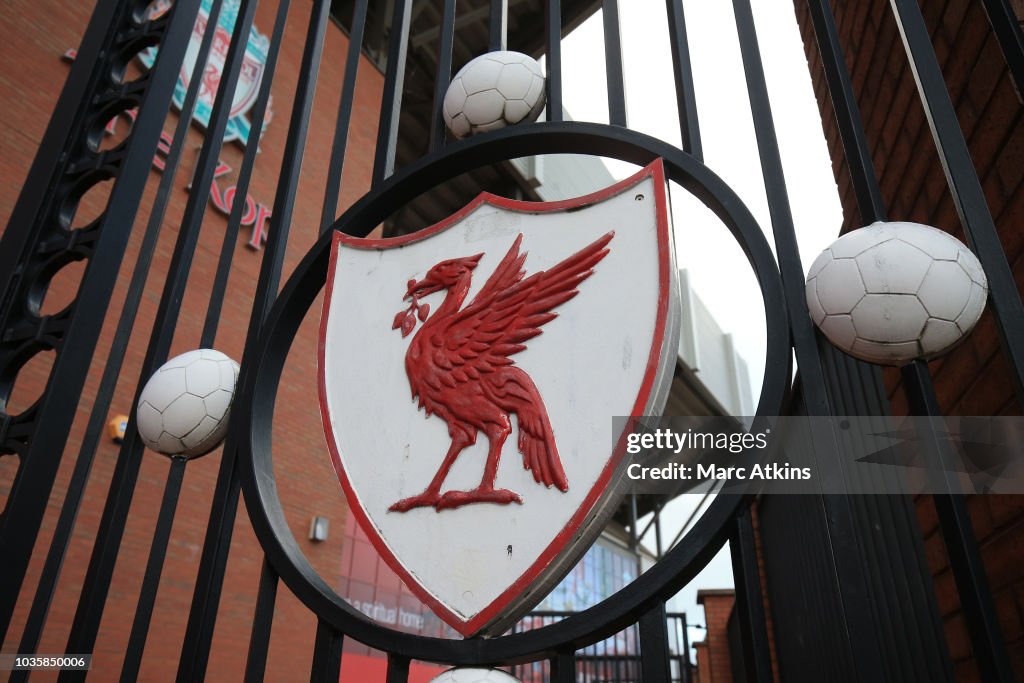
x,y
423,500
454,499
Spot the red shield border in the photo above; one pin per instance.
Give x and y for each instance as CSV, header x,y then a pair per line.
x,y
559,547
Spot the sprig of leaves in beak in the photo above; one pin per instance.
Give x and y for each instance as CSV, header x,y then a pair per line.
x,y
406,320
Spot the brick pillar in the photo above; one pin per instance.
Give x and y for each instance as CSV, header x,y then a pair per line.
x,y
713,657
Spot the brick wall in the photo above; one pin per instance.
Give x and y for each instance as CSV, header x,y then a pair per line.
x,y
702,672
37,32
713,661
973,379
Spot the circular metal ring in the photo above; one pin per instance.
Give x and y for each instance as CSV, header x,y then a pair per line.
x,y
261,373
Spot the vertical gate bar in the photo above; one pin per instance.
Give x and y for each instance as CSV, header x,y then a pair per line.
x,y
890,624
867,191
195,648
654,646
686,94
863,175
553,59
154,568
497,30
444,75
687,673
327,650
341,128
115,357
262,624
122,484
398,669
987,642
913,611
749,601
29,497
847,113
955,523
295,143
613,63
256,116
1007,30
563,667
391,102
195,651
962,178
861,644
787,249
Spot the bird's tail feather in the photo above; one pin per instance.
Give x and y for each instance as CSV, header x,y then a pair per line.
x,y
515,392
537,442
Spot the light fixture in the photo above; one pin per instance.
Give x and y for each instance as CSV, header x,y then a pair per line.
x,y
318,529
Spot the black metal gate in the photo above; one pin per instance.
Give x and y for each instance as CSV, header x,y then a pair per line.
x,y
837,625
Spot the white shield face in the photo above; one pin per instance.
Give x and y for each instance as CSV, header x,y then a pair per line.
x,y
468,394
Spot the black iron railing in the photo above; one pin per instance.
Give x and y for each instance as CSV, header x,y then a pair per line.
x,y
615,659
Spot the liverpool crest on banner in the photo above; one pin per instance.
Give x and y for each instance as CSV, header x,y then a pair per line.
x,y
238,127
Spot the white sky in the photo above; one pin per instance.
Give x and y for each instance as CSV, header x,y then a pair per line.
x,y
720,274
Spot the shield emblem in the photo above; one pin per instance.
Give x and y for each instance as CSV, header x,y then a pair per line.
x,y
469,376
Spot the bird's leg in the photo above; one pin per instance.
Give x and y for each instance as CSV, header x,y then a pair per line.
x,y
485,493
496,440
432,494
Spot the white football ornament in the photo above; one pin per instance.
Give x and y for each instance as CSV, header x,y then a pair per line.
x,y
892,292
185,405
492,91
474,675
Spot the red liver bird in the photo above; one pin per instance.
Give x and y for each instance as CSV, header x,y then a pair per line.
x,y
459,364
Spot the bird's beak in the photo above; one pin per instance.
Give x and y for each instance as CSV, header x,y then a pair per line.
x,y
422,288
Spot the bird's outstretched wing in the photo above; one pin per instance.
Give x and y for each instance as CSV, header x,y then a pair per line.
x,y
509,310
509,272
